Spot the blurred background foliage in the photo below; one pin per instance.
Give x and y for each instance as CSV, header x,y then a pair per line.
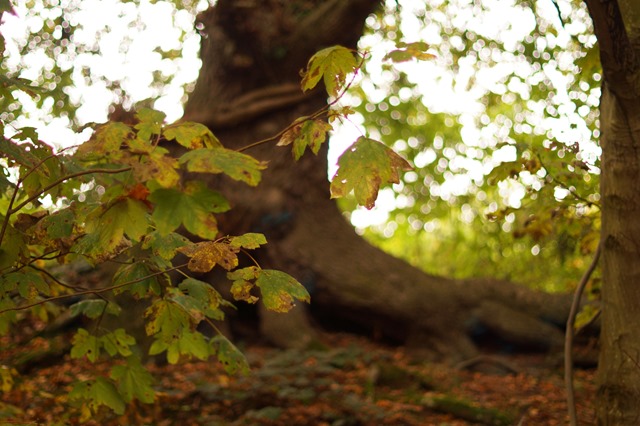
x,y
501,126
502,129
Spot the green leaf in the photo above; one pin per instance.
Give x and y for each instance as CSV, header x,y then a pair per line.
x,y
508,169
249,273
107,228
98,392
333,64
30,284
58,225
117,342
6,6
363,168
306,133
94,308
156,166
207,254
236,165
189,344
192,135
150,123
165,246
7,318
166,319
409,51
134,381
131,216
13,247
241,287
192,208
207,296
138,275
241,290
105,142
233,360
279,290
17,154
85,344
249,241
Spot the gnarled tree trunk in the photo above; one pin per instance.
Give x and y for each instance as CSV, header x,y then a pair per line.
x,y
617,26
248,90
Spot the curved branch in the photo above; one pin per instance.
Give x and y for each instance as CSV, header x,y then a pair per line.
x,y
569,333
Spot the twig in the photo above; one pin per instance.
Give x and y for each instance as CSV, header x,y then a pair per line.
x,y
100,290
569,333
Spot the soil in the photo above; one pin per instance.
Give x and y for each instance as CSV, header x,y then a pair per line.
x,y
346,380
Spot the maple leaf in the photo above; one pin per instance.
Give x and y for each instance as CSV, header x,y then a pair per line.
x,y
150,123
409,51
332,64
306,133
98,392
105,141
363,168
279,290
134,381
233,360
250,240
192,207
236,165
138,275
207,254
192,135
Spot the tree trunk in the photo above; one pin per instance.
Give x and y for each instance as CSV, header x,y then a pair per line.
x,y
248,90
619,364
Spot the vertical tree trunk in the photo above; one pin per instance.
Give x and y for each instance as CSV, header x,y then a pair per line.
x,y
619,366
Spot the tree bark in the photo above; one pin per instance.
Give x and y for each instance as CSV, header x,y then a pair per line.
x,y
619,364
247,91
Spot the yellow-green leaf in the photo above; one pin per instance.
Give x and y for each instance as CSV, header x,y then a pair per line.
x,y
233,360
279,290
192,135
105,141
150,123
332,64
409,51
98,392
134,381
363,168
250,240
306,133
236,165
192,208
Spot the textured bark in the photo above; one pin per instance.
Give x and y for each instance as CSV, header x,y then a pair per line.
x,y
251,57
619,364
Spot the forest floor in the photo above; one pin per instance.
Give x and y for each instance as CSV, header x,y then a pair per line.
x,y
350,380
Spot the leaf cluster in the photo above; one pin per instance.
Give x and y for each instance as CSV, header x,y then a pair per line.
x,y
134,195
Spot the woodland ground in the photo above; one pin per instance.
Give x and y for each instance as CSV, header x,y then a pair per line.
x,y
349,380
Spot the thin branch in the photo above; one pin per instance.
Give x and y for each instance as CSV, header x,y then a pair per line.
x,y
325,109
81,293
61,180
56,280
569,333
572,191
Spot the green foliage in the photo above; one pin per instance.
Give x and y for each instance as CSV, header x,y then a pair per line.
x,y
122,196
332,65
363,168
98,392
499,183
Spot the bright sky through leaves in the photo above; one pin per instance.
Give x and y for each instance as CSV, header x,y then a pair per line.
x,y
134,41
